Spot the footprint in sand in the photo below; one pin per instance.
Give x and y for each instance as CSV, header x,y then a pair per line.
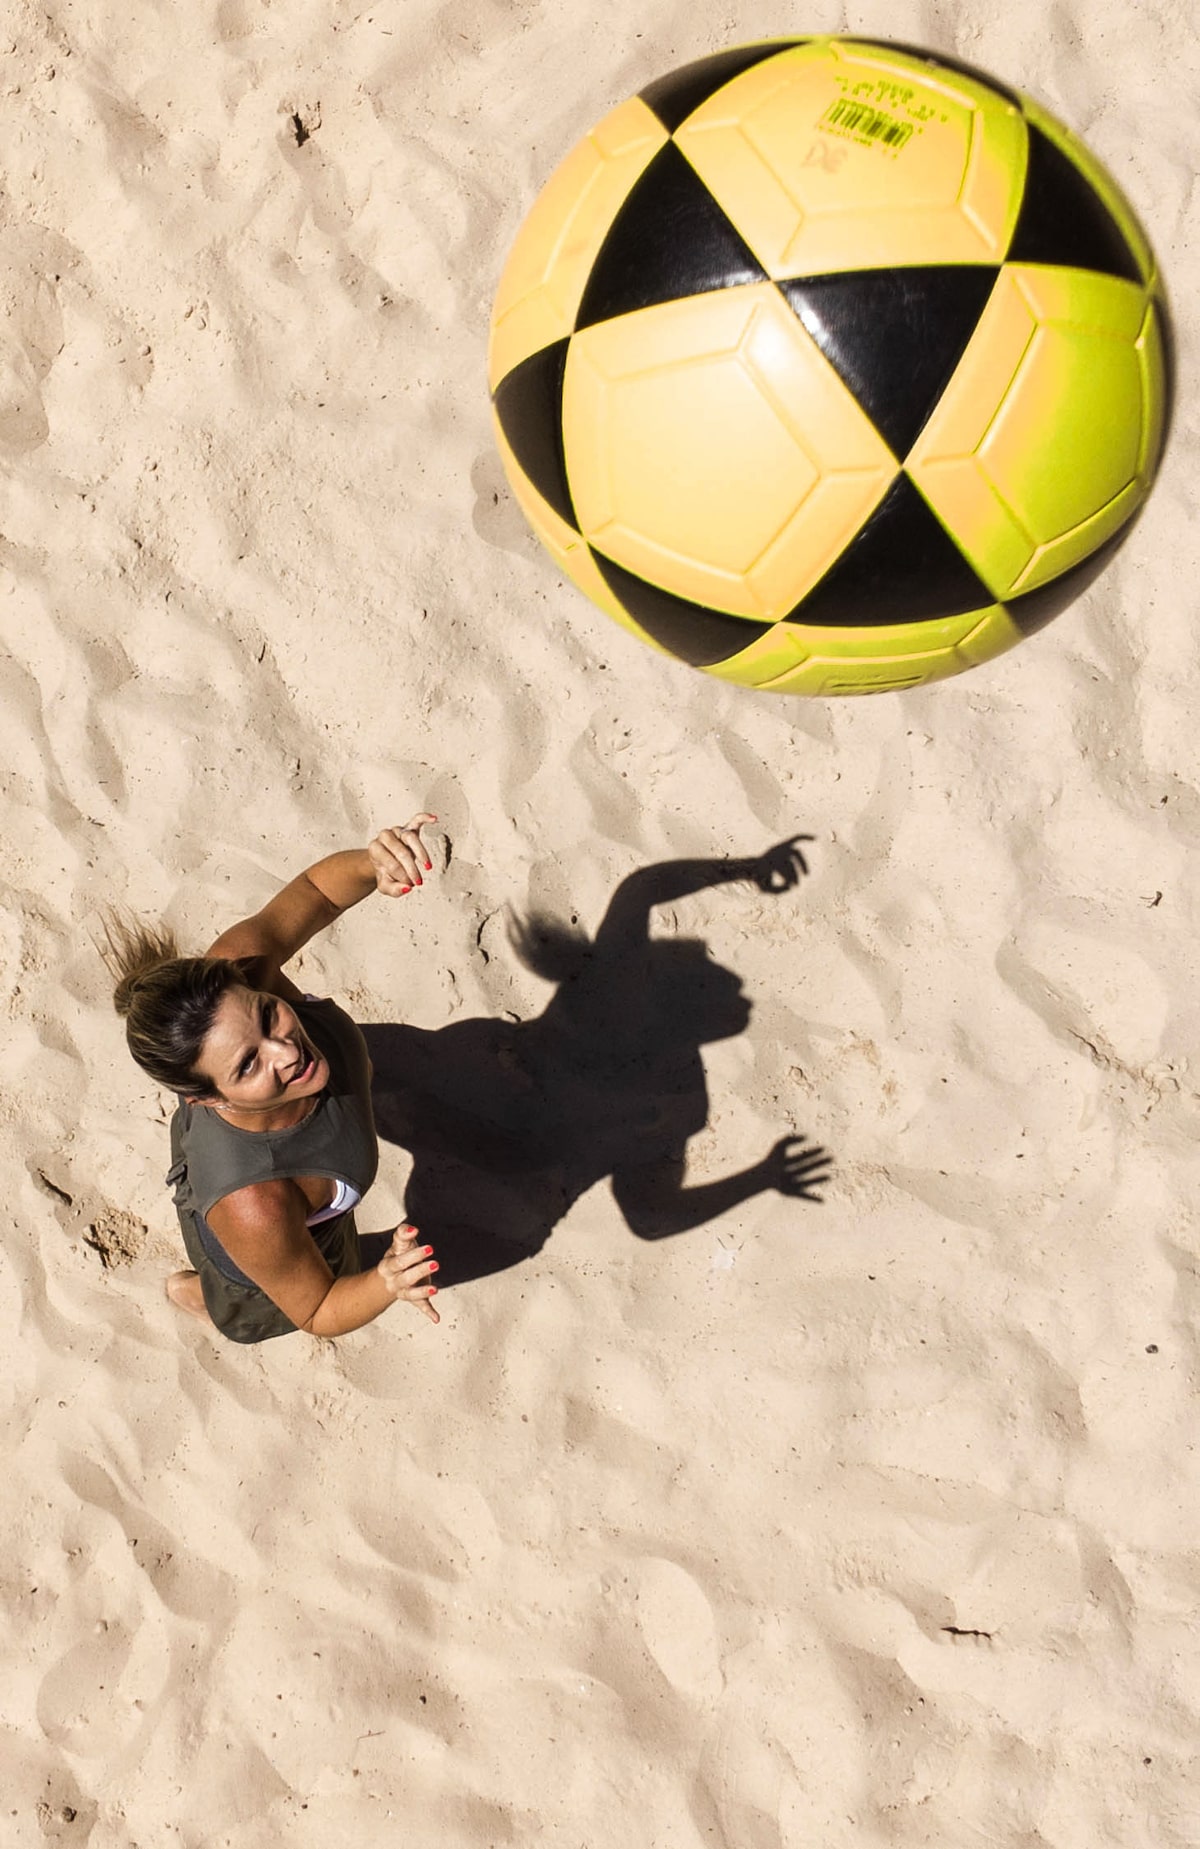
x,y
78,1705
679,1629
496,517
31,335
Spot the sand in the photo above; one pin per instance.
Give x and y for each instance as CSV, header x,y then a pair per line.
x,y
820,1526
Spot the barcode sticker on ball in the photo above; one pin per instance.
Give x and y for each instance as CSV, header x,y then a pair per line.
x,y
863,123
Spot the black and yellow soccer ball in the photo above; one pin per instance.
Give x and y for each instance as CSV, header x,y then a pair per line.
x,y
830,366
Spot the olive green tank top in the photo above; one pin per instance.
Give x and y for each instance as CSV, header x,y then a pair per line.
x,y
211,1158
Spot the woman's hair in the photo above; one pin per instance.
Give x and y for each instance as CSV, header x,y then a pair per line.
x,y
551,948
168,1001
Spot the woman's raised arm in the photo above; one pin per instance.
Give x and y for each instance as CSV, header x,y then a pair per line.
x,y
391,864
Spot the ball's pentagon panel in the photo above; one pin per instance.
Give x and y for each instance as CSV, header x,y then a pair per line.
x,y
830,366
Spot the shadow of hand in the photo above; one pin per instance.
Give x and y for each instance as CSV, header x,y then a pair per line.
x,y
781,867
797,1168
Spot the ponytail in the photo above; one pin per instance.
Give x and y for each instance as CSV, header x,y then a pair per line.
x,y
168,1001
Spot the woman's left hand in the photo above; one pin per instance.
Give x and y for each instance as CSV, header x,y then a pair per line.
x,y
399,856
406,1269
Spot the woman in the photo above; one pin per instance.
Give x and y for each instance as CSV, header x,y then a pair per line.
x,y
273,1140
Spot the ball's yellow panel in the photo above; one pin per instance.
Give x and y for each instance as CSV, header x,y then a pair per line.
x,y
1100,178
1031,480
563,543
826,675
909,666
1080,379
548,267
797,658
1152,362
831,157
943,463
712,449
882,61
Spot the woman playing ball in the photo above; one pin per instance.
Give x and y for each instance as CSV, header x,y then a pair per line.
x,y
273,1140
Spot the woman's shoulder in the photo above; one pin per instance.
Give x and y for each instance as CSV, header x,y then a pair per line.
x,y
272,1200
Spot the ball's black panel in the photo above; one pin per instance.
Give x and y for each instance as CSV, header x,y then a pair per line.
x,y
698,635
528,402
1063,219
669,239
950,64
894,336
675,96
900,567
1037,608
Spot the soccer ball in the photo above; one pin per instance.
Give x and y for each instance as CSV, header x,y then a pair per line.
x,y
831,366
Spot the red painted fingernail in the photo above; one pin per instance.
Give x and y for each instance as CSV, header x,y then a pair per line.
x,y
435,1266
428,1250
429,866
433,1290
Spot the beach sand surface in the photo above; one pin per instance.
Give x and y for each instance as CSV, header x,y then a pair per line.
x,y
861,1524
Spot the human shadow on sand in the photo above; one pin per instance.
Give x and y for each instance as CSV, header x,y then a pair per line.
x,y
509,1122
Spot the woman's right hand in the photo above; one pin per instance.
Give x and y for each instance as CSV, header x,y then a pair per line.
x,y
406,1268
397,856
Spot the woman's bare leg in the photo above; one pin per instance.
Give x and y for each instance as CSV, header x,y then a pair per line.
x,y
183,1288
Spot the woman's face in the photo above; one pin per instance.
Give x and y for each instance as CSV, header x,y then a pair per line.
x,y
257,1054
